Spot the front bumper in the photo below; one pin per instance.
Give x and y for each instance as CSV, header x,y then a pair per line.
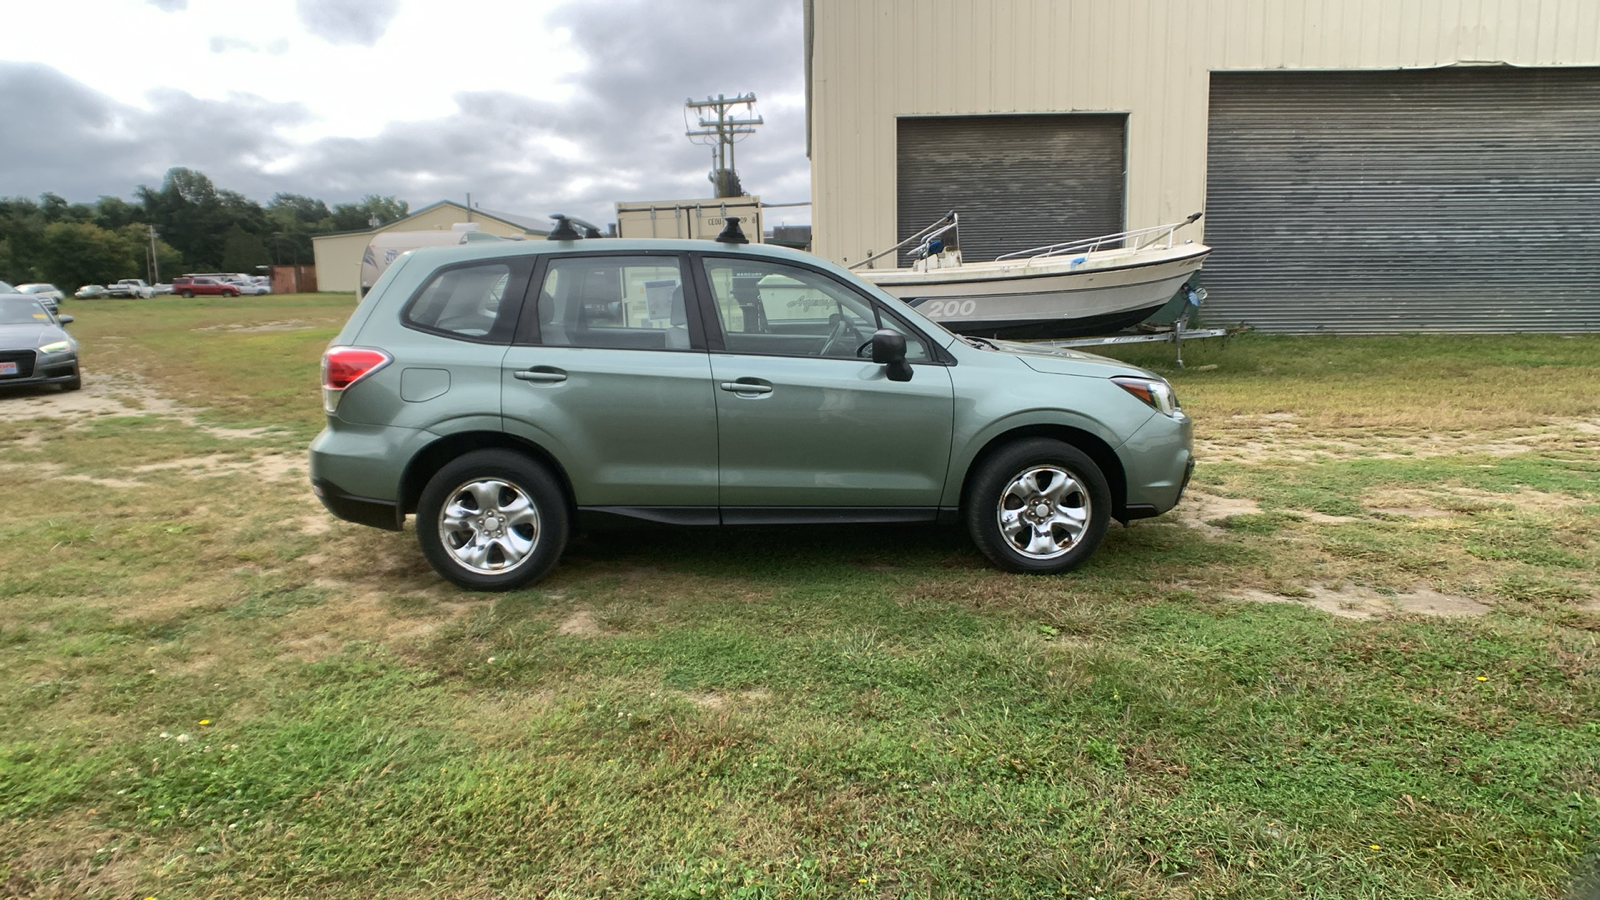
x,y
1158,462
48,369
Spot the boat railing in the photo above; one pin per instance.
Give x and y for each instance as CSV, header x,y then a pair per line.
x,y
949,223
1138,239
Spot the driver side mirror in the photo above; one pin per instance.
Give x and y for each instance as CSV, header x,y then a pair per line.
x,y
889,349
65,320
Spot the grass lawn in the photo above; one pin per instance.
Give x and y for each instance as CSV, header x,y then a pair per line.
x,y
1360,660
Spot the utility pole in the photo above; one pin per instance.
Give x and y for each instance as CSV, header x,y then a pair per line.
x,y
155,261
719,129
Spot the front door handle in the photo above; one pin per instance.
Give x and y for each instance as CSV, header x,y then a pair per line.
x,y
746,387
540,375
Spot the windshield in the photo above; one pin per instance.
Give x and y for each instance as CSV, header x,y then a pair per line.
x,y
6,288
16,311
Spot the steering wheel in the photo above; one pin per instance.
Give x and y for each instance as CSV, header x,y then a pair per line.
x,y
841,327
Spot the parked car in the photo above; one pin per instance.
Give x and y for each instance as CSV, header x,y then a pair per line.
x,y
91,292
253,288
190,285
131,287
48,294
498,390
34,346
161,288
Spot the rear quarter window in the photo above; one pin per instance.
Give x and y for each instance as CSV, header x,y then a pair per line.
x,y
466,302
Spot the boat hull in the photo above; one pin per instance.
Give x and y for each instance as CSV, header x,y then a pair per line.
x,y
1052,298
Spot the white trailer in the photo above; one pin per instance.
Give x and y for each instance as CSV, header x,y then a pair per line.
x,y
387,246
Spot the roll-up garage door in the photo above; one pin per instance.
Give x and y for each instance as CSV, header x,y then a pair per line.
x,y
1017,181
1439,200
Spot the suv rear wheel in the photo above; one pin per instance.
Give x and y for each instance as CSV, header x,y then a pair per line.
x,y
1038,506
492,520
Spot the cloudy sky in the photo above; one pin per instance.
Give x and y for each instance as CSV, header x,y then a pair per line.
x,y
532,106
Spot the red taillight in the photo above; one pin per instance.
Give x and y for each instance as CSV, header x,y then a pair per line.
x,y
343,367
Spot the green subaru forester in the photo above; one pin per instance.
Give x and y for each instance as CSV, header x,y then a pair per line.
x,y
503,391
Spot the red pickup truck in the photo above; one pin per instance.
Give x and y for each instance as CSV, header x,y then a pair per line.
x,y
190,285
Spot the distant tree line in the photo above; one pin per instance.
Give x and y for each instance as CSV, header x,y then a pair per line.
x,y
198,228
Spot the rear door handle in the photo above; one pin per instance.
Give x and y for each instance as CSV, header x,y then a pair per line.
x,y
746,387
540,375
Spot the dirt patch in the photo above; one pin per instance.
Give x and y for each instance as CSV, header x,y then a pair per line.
x,y
272,466
286,325
57,472
355,614
1355,602
1279,437
103,394
581,624
1200,510
718,700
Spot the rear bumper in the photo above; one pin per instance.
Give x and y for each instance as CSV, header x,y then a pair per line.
x,y
360,510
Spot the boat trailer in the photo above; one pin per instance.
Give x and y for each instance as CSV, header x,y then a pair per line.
x,y
1174,334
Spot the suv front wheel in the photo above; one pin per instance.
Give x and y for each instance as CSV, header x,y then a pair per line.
x,y
1038,506
492,520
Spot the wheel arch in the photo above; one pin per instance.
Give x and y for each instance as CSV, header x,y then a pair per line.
x,y
435,456
1091,444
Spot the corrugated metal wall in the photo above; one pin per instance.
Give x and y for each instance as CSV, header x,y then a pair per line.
x,y
1018,181
876,61
1443,200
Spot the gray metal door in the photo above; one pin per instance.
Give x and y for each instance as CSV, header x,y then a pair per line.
x,y
1017,181
1437,200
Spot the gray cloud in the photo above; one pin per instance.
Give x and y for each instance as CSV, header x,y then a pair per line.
x,y
80,143
170,5
348,21
624,125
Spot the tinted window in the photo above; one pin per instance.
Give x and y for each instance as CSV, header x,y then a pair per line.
x,y
620,302
769,307
463,301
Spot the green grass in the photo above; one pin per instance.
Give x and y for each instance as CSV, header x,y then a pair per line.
x,y
213,689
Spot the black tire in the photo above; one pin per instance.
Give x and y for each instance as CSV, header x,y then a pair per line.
x,y
75,384
520,537
188,295
1062,507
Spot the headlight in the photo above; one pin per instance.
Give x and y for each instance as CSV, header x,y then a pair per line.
x,y
1153,391
57,347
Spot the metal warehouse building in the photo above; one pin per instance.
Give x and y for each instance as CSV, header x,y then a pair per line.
x,y
1363,165
338,256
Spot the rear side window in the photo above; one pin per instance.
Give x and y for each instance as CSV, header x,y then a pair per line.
x,y
464,302
616,302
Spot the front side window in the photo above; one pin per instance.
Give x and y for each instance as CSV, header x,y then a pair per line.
x,y
771,308
462,302
615,302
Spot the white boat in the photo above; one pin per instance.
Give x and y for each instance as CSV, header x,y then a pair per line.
x,y
1073,289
